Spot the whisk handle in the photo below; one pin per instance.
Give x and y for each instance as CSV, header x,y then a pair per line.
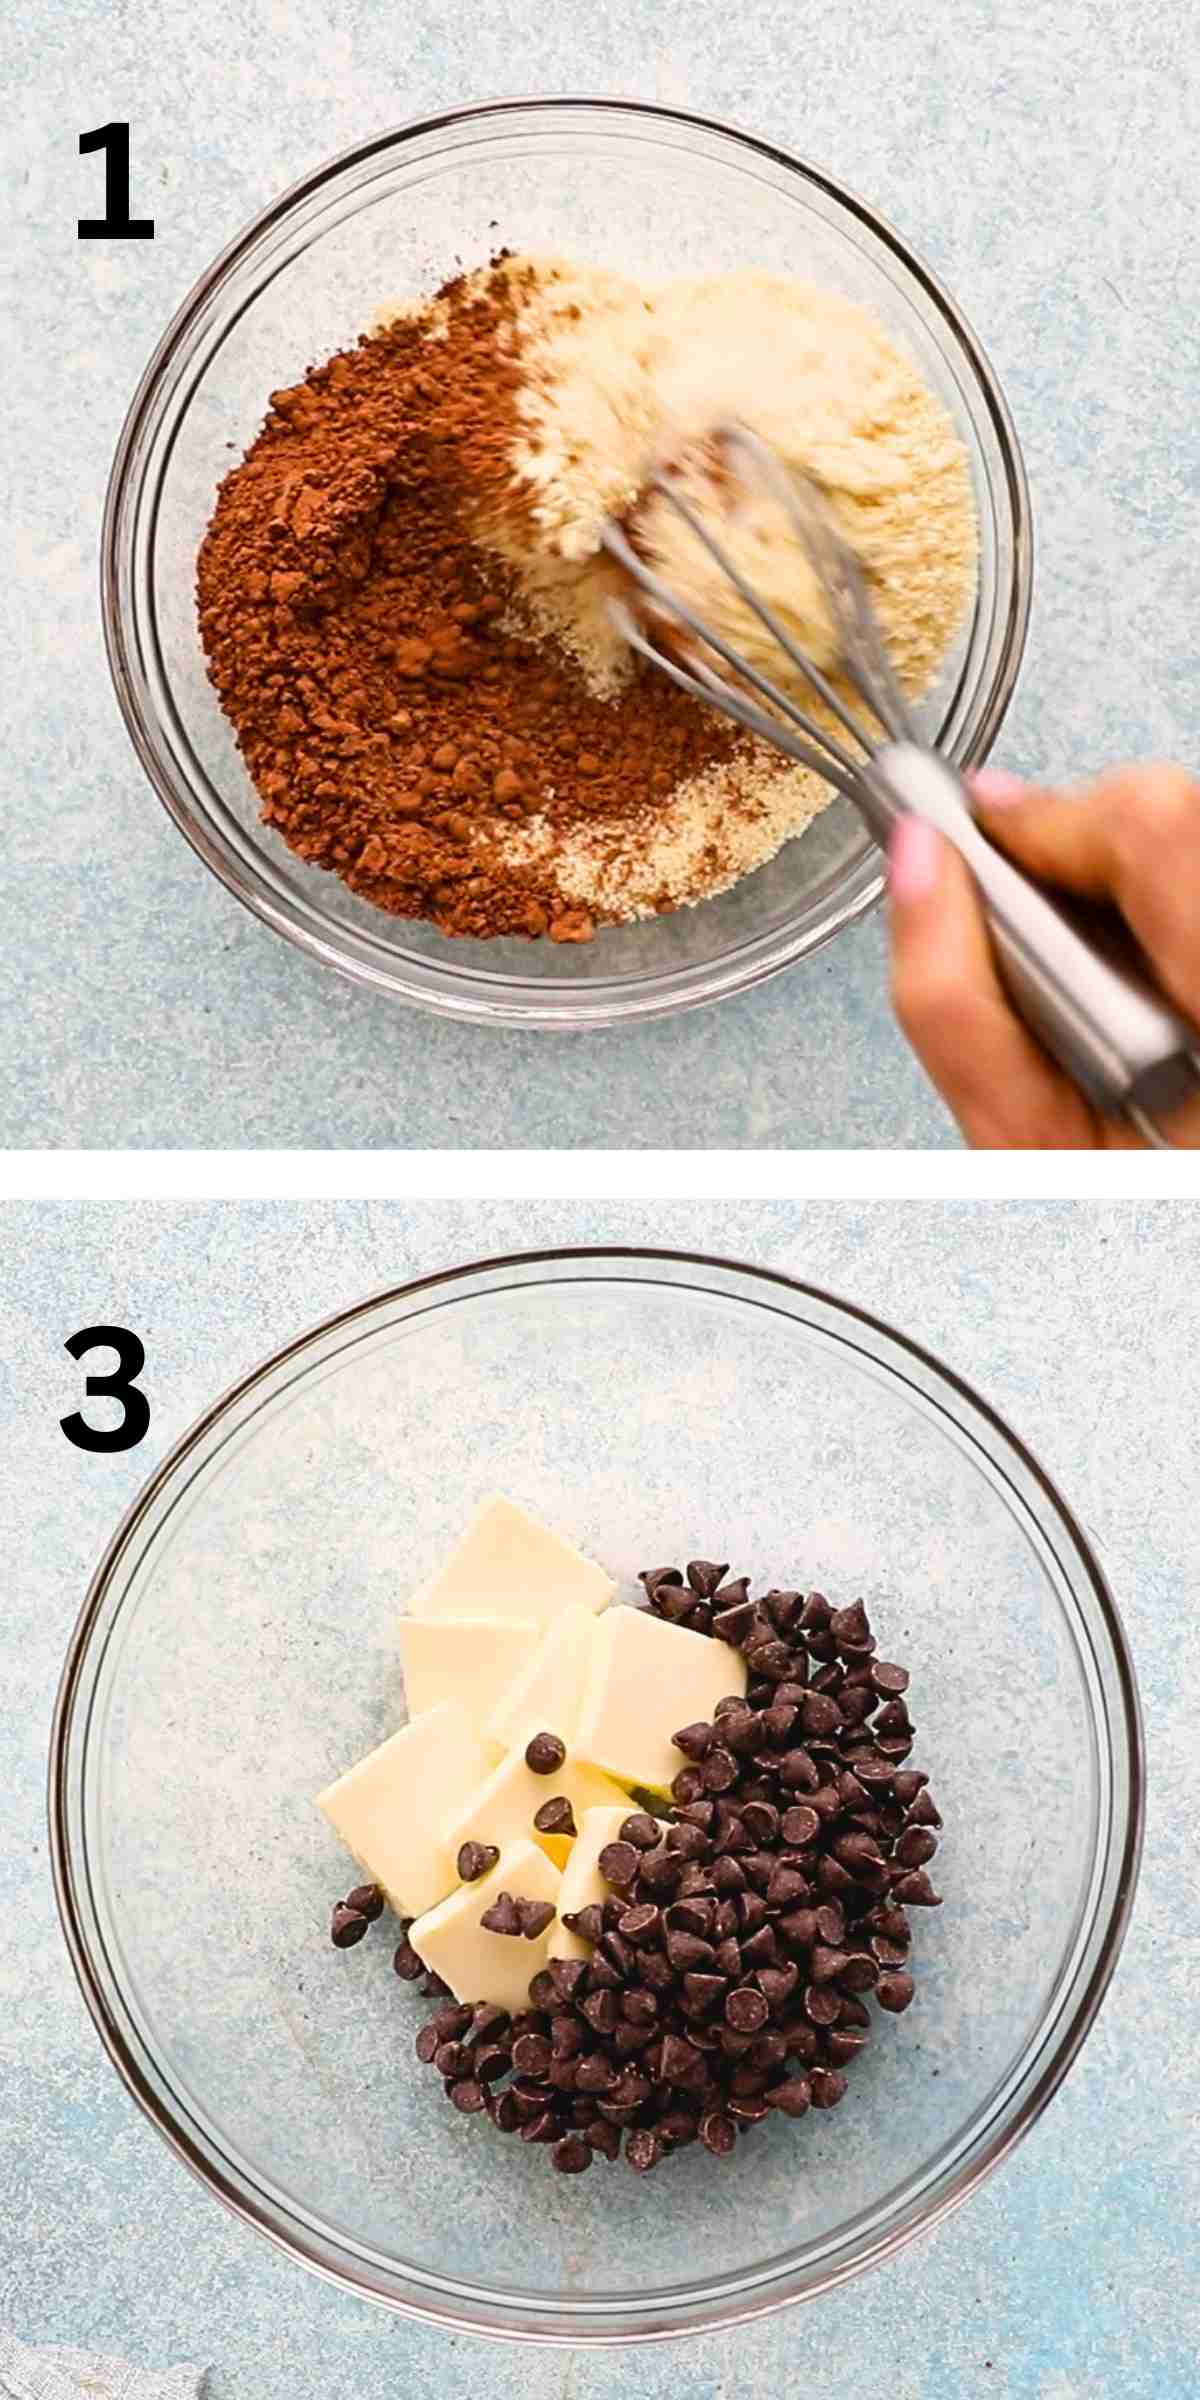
x,y
1087,993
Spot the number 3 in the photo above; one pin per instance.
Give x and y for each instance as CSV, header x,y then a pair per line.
x,y
120,1385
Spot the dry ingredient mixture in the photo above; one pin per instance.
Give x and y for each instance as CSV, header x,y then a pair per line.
x,y
403,602
689,1967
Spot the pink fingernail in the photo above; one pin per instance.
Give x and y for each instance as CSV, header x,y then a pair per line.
x,y
914,859
996,787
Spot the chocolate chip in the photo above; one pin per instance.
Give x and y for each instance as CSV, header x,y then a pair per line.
x,y
688,1838
641,1925
545,1754
785,1888
600,2009
603,2138
761,1821
682,2062
850,1625
453,2060
702,1992
821,2004
894,1992
915,1847
543,2128
746,2010
503,1916
469,2096
827,2087
643,1830
367,1899
531,2054
406,1964
792,2097
688,1785
535,1915
922,1811
643,2150
476,1859
427,2045
695,1741
734,1622
908,1785
488,2021
571,2155
718,2133
843,2043
654,1578
889,1680
720,1770
556,1816
687,1952
674,1605
489,2062
704,1577
777,1985
618,1864
820,1714
346,1926
450,2020
916,1890
799,1826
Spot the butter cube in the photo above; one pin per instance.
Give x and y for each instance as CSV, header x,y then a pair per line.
x,y
469,1659
582,1882
545,1694
502,1808
479,1965
507,1565
389,1809
647,1680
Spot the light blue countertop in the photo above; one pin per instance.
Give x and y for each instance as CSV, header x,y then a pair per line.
x,y
1043,160
1072,2274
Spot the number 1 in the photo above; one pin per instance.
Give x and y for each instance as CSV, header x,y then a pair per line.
x,y
116,223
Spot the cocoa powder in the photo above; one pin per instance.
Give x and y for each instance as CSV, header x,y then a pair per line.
x,y
362,643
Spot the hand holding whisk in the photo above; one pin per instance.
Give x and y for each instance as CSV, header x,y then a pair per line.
x,y
1076,977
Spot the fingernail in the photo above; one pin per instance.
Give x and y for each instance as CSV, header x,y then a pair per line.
x,y
914,859
996,787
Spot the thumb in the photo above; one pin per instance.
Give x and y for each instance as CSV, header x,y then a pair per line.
x,y
951,1004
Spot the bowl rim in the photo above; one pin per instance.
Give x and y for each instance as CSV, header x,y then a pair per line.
x,y
512,1000
760,2300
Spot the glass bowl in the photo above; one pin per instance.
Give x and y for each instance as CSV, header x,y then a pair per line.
x,y
237,1649
646,190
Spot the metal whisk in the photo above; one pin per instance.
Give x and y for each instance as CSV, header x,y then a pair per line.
x,y
1075,975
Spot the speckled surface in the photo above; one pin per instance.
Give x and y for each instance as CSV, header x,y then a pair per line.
x,y
1040,159
1068,2277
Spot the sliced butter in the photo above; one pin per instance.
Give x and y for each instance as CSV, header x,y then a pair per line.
x,y
507,1565
390,1809
479,1965
469,1659
582,1882
647,1680
502,1808
547,1690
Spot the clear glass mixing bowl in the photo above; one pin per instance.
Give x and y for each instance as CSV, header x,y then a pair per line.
x,y
646,190
237,1649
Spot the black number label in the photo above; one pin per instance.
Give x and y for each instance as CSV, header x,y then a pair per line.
x,y
120,1385
116,224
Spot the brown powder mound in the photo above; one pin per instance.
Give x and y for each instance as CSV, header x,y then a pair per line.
x,y
361,643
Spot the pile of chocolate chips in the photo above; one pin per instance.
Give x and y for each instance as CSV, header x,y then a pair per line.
x,y
731,1964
